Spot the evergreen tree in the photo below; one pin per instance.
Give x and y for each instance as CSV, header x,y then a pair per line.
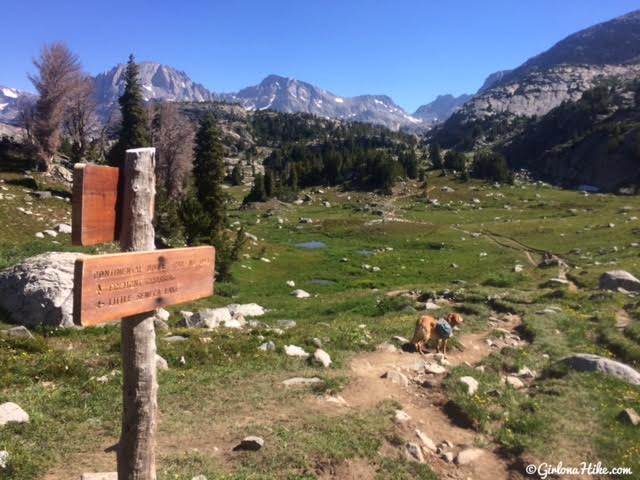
x,y
133,129
293,178
269,184
208,174
257,193
236,175
436,156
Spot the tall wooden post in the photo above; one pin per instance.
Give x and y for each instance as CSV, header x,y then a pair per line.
x,y
136,449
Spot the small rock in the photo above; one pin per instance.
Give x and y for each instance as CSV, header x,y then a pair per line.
x,y
265,260
434,368
316,342
162,314
518,268
471,383
4,459
322,357
100,476
286,324
19,332
337,399
431,305
295,351
63,228
250,444
160,325
469,455
51,233
246,310
12,413
301,381
199,477
526,372
298,293
448,456
631,416
161,363
396,377
426,441
39,235
515,382
175,339
400,340
401,416
267,346
414,452
387,347
291,283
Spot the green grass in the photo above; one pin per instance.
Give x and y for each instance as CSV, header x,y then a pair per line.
x,y
226,388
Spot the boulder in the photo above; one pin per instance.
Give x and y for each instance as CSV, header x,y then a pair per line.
x,y
322,357
616,279
12,413
250,444
301,381
586,362
414,452
471,384
469,455
100,476
4,459
631,416
18,332
396,377
267,346
209,318
39,291
298,293
246,310
295,351
426,441
161,363
401,416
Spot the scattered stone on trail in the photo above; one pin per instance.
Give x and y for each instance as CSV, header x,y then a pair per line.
x,y
631,416
39,291
12,413
322,357
250,444
431,305
471,383
617,279
161,363
175,339
246,310
469,455
267,346
586,362
400,416
291,283
434,368
286,324
298,293
63,228
387,347
301,381
515,382
337,399
19,332
100,476
4,459
396,377
414,452
448,456
295,351
550,260
426,441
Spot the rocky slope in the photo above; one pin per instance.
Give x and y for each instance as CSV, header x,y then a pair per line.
x,y
10,99
441,108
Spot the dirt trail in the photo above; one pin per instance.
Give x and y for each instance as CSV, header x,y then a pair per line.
x,y
425,405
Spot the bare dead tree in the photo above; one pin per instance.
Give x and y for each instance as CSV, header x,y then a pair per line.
x,y
58,74
80,117
172,135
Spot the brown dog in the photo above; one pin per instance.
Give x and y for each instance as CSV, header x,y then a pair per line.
x,y
427,327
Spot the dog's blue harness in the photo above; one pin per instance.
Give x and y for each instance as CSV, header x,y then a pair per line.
x,y
443,328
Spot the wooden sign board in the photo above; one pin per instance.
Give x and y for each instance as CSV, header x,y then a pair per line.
x,y
109,287
94,207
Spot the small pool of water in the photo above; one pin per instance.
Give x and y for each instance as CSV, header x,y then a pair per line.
x,y
311,245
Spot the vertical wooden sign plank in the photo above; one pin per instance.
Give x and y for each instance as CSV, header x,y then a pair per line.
x,y
95,202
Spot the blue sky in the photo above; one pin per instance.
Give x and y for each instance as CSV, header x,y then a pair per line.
x,y
409,50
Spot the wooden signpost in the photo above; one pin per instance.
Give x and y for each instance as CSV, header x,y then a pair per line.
x,y
131,285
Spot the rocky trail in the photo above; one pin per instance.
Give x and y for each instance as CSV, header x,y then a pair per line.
x,y
405,377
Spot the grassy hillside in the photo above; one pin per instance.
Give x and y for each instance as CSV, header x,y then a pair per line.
x,y
220,387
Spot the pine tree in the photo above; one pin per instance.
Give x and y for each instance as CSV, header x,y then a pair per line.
x,y
257,193
269,184
293,178
208,174
236,175
436,156
133,129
